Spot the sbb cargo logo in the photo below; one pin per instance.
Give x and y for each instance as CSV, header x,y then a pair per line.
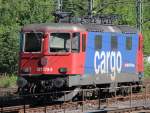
x,y
108,62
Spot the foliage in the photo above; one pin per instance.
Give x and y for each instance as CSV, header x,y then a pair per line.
x,y
8,81
146,69
13,15
146,34
78,7
146,27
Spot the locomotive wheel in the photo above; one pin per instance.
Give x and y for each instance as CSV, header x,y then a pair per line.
x,y
23,91
36,91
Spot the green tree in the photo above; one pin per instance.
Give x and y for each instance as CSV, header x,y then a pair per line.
x,y
78,7
13,15
146,26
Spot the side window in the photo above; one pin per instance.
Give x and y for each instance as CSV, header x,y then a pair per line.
x,y
114,42
83,42
60,42
128,43
75,42
98,42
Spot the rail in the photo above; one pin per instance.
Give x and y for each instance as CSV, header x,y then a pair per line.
x,y
127,100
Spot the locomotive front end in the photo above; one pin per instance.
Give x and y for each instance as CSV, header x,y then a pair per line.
x,y
49,55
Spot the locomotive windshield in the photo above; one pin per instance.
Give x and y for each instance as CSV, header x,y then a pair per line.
x,y
62,42
33,42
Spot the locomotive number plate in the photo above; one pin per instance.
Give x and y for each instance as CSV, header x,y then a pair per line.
x,y
44,69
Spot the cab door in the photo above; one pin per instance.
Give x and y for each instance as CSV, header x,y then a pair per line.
x,y
83,50
78,52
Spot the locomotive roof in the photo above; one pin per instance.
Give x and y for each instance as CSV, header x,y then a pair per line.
x,y
111,28
44,27
53,26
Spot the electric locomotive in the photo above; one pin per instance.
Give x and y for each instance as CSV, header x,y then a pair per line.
x,y
65,56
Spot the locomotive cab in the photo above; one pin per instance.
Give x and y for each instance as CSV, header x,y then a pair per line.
x,y
50,53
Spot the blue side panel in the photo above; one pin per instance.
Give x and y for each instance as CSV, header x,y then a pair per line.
x,y
106,60
129,56
89,59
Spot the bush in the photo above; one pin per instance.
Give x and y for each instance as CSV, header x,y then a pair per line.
x,y
146,69
8,81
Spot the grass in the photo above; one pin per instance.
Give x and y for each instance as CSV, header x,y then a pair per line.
x,y
7,81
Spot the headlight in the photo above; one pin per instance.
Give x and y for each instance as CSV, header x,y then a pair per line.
x,y
44,61
62,70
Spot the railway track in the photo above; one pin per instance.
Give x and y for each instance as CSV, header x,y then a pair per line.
x,y
115,104
7,91
72,108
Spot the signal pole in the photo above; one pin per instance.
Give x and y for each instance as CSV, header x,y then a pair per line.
x,y
139,15
90,7
59,5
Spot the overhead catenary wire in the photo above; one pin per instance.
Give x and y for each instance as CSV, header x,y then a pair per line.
x,y
138,4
